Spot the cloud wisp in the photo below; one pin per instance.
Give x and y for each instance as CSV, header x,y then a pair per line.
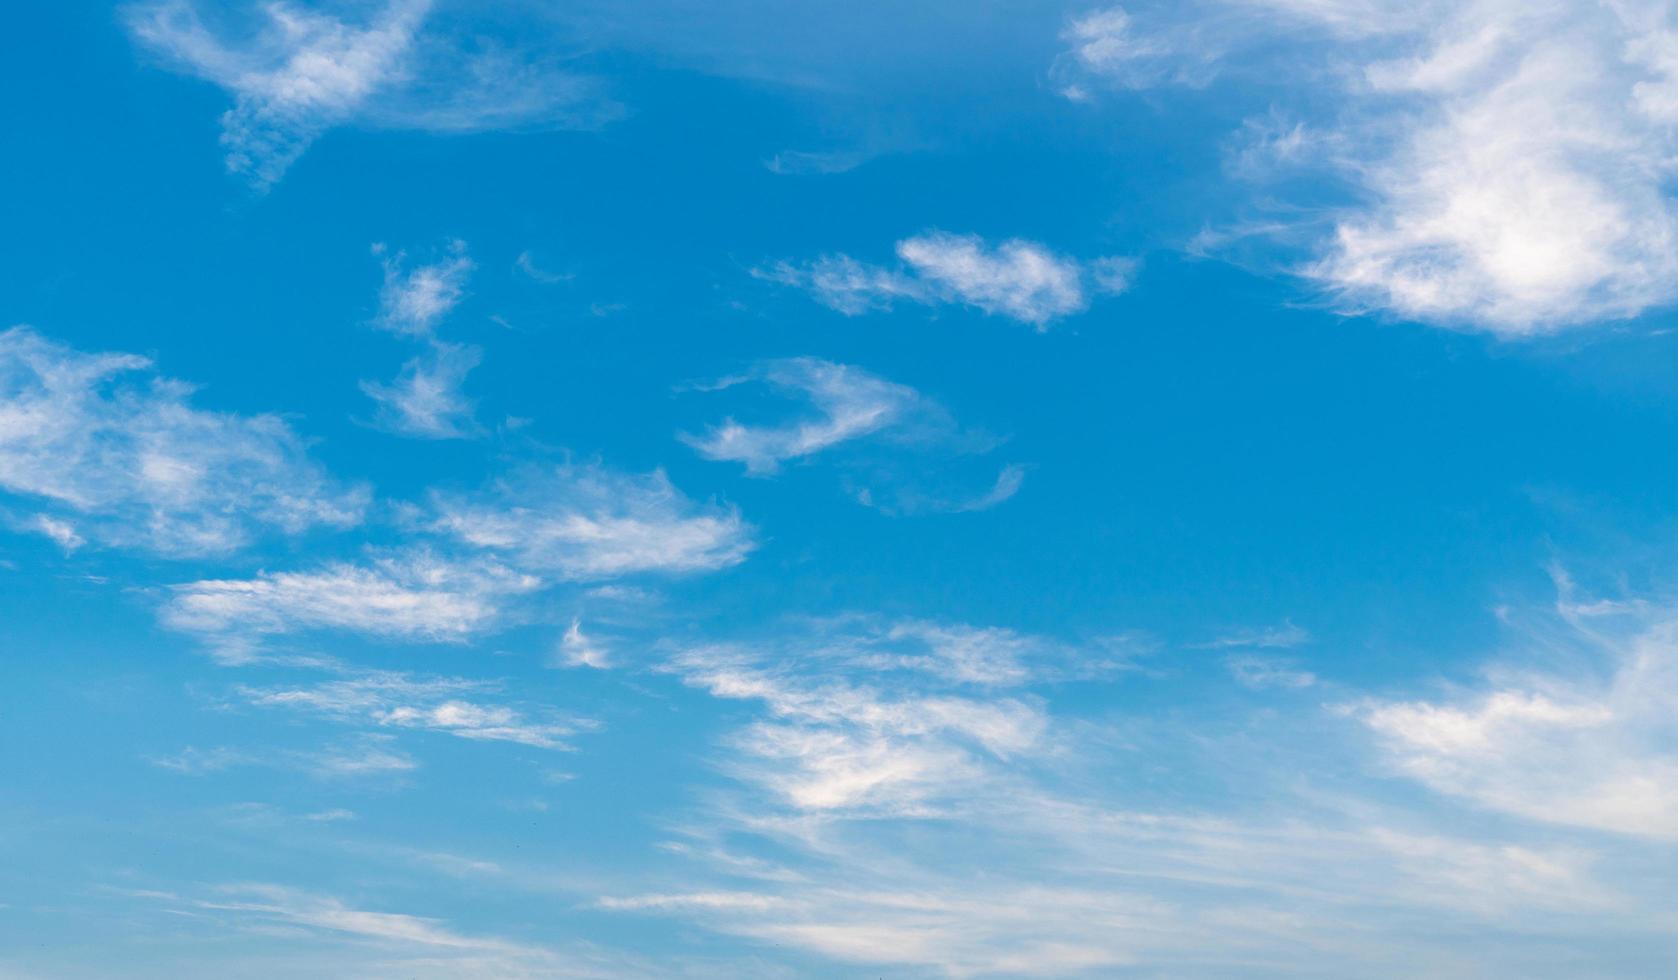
x,y
444,705
1018,279
852,408
849,404
426,399
294,73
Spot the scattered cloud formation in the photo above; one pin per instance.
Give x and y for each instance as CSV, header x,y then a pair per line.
x,y
427,399
117,454
867,729
469,557
1022,280
1508,162
295,72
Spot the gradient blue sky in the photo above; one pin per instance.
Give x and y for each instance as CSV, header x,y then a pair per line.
x,y
838,489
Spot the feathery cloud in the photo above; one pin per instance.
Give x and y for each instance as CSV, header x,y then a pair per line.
x,y
850,403
295,73
426,399
1022,280
579,522
414,594
1592,749
118,455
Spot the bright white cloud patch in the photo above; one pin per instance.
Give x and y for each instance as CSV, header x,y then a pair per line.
x,y
1511,159
117,454
584,522
1018,279
296,72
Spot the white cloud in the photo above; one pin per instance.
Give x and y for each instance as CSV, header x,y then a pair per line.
x,y
579,650
437,704
850,403
413,595
426,399
834,746
1019,279
901,744
119,456
296,73
584,522
1113,45
470,557
1588,749
413,300
1510,161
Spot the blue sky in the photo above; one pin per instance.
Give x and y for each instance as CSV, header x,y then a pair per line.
x,y
829,490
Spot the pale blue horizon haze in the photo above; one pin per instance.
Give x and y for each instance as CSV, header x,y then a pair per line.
x,y
1004,489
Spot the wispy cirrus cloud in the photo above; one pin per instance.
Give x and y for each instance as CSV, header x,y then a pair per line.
x,y
415,298
1018,279
116,454
583,522
295,72
868,729
1591,747
426,399
446,705
891,717
831,745
469,557
1506,164
850,405
414,594
319,934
